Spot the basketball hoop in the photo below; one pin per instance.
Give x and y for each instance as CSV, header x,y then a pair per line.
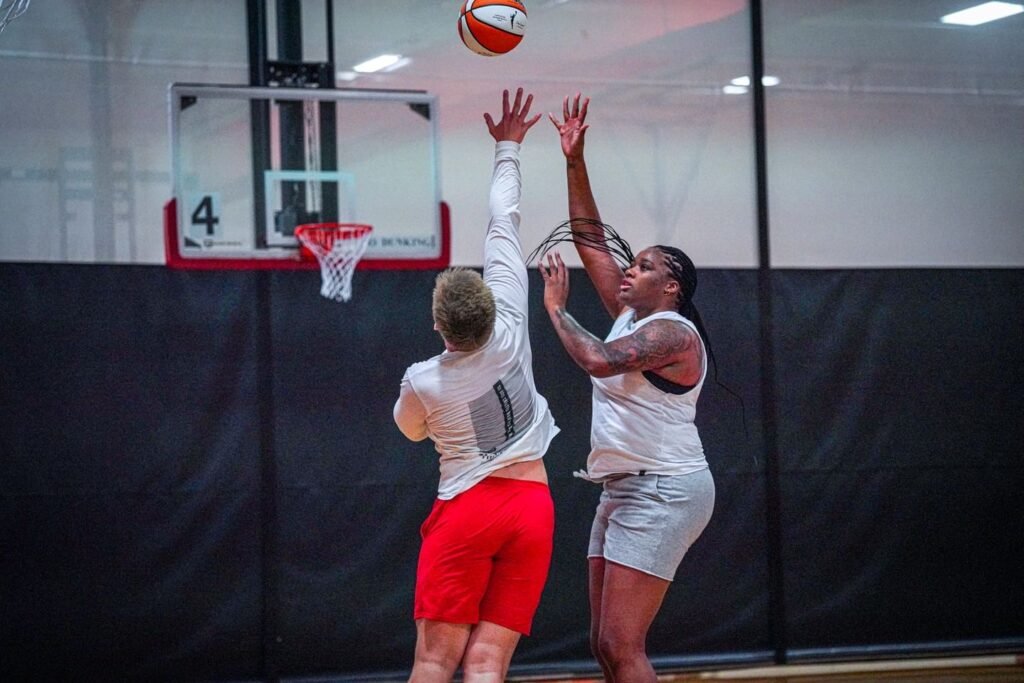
x,y
337,247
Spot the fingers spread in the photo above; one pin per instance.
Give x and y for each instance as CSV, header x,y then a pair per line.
x,y
526,105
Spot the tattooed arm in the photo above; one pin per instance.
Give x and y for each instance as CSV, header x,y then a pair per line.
x,y
658,345
668,347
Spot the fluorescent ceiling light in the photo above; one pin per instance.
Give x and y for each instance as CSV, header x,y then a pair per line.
x,y
979,14
402,61
377,64
766,81
734,90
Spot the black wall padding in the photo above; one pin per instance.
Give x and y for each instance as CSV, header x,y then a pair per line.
x,y
129,504
175,503
902,455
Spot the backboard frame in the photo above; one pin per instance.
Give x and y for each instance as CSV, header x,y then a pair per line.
x,y
282,252
175,259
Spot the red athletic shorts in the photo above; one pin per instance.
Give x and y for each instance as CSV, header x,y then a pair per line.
x,y
485,555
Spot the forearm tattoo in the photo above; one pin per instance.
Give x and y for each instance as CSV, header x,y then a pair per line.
x,y
577,341
653,346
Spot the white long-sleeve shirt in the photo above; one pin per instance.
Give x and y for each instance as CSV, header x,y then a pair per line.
x,y
481,408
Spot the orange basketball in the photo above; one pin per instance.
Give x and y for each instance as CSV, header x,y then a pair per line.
x,y
492,27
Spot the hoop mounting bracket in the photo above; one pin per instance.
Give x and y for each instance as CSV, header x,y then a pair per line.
x,y
300,74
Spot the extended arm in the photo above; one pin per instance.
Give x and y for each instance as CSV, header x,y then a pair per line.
x,y
504,268
604,272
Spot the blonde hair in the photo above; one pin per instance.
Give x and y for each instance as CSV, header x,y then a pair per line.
x,y
463,308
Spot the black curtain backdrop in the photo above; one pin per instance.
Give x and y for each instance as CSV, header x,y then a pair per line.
x,y
201,478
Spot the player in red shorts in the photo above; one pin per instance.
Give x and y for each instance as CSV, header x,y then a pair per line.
x,y
487,542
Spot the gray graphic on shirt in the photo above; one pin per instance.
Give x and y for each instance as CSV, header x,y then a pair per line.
x,y
503,414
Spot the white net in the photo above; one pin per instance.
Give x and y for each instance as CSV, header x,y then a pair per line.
x,y
338,248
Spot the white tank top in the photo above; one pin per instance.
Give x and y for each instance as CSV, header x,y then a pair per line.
x,y
637,427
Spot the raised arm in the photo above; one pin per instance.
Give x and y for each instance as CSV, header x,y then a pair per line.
x,y
604,272
504,267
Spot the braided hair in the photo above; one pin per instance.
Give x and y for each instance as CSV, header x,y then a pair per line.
x,y
682,270
680,266
607,240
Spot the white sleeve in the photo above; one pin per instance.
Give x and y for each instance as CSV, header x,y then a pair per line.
x,y
409,413
504,268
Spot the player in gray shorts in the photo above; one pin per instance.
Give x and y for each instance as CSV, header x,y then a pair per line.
x,y
649,521
646,374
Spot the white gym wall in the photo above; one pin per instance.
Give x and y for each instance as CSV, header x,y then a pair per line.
x,y
892,140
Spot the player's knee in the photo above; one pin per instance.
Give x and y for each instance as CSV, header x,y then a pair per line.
x,y
615,648
595,643
485,662
432,664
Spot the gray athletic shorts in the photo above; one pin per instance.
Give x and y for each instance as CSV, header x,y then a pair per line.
x,y
649,521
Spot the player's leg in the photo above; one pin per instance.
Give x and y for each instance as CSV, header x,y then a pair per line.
x,y
451,577
518,574
595,588
488,653
630,599
652,521
439,649
595,581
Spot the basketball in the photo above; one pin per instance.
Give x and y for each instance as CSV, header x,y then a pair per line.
x,y
492,27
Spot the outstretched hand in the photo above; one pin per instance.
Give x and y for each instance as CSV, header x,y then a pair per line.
x,y
573,126
513,124
556,282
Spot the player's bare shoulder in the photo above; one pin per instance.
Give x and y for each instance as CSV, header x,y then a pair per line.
x,y
669,339
654,345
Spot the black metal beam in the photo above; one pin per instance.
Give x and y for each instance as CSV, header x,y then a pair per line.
x,y
269,628
773,498
292,138
329,124
256,11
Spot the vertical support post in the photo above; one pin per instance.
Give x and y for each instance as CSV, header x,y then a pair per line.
x,y
773,498
256,11
329,125
293,127
269,627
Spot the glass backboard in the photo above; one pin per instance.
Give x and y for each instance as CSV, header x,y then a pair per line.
x,y
250,164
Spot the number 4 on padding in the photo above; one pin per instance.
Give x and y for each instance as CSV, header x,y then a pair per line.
x,y
204,214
